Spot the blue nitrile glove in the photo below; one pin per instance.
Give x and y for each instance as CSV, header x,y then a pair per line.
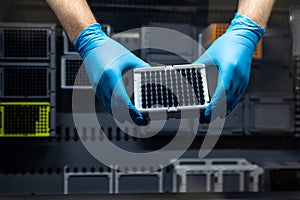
x,y
232,53
105,60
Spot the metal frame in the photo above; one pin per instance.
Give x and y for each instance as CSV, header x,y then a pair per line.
x,y
217,168
159,175
68,175
51,42
63,73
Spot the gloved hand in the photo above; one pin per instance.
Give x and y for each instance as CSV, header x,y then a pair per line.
x,y
105,60
232,53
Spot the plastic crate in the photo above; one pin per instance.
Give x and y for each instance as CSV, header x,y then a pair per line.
x,y
218,175
70,66
295,31
26,41
84,176
172,44
25,119
25,80
261,117
123,182
171,88
69,47
129,39
215,30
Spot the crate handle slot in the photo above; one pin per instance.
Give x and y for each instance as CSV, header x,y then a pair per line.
x,y
1,83
1,43
49,81
1,120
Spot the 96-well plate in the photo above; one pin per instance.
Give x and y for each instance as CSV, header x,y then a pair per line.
x,y
171,88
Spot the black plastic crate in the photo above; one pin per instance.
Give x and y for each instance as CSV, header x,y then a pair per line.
x,y
25,81
70,69
25,43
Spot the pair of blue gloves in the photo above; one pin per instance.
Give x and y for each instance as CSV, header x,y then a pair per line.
x,y
105,60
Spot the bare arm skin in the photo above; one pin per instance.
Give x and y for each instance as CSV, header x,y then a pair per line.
x,y
74,15
257,10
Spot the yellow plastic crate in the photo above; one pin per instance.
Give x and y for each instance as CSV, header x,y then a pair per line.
x,y
215,30
25,119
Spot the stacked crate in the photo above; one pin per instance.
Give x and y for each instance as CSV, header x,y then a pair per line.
x,y
295,61
71,62
215,30
27,80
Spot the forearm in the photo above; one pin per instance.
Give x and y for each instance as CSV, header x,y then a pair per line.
x,y
257,10
74,15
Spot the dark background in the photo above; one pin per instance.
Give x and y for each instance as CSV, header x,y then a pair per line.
x,y
263,128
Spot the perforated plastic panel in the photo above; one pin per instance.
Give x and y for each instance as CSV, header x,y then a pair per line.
x,y
25,81
171,88
21,119
272,117
215,30
70,69
218,30
25,43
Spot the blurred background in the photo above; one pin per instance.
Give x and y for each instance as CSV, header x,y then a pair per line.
x,y
42,154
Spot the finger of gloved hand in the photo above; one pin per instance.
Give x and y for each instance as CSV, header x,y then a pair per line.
x,y
122,107
110,56
104,95
217,105
239,93
238,96
205,59
232,92
119,54
113,96
137,117
233,105
135,62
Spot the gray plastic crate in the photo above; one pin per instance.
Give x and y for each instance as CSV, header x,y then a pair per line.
x,y
23,41
26,80
70,66
170,88
176,45
269,114
129,39
295,31
69,47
